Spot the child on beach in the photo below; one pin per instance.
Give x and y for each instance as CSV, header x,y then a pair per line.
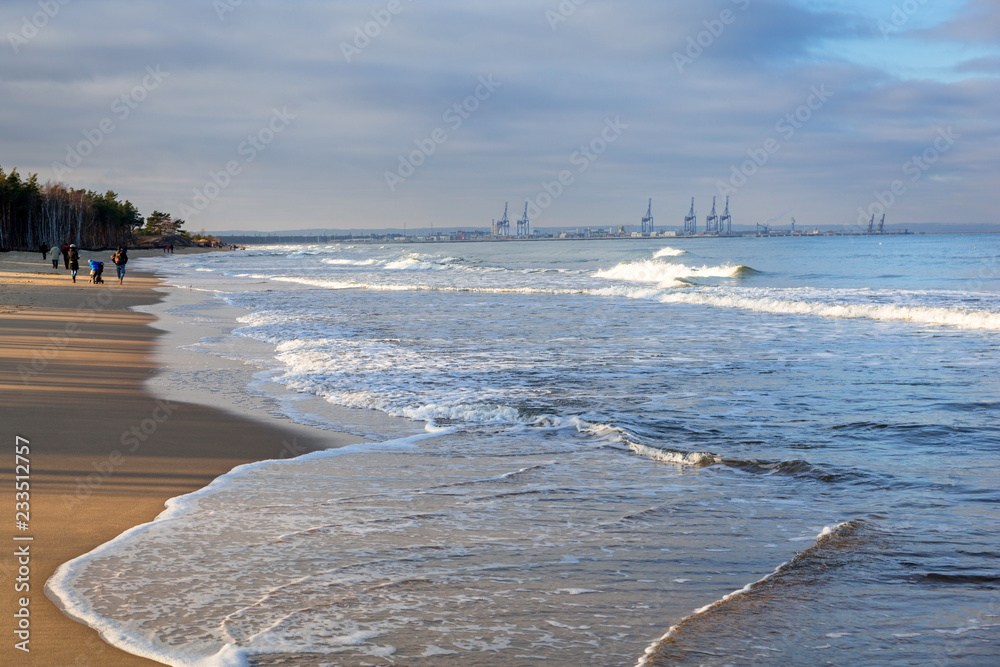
x,y
96,269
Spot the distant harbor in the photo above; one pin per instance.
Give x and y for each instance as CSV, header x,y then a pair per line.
x,y
715,226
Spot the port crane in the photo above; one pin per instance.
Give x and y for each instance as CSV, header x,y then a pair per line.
x,y
726,221
522,224
712,221
691,221
647,220
501,227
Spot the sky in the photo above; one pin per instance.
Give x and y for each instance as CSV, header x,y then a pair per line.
x,y
269,115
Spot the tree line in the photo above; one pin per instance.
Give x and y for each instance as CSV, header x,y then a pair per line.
x,y
32,214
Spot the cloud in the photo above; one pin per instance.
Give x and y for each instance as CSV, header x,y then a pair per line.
x,y
977,21
355,117
989,65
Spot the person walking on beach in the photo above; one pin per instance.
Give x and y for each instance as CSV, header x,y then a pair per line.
x,y
73,260
65,254
43,248
120,258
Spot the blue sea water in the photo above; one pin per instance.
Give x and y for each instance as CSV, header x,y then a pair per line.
x,y
662,451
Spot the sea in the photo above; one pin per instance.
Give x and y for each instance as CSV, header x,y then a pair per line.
x,y
649,451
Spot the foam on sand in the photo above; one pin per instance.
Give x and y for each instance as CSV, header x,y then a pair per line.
x,y
76,604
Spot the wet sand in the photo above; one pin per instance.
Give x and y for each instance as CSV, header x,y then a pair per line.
x,y
105,454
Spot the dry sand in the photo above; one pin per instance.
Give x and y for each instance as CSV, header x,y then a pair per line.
x,y
73,360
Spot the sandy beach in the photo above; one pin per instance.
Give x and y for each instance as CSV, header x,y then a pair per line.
x,y
104,454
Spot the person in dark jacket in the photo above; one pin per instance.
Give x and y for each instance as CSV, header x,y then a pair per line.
x,y
43,248
73,259
120,258
65,254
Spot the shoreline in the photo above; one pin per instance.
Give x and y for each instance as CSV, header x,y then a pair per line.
x,y
105,452
201,361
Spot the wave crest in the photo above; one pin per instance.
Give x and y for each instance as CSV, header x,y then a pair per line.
x,y
833,545
669,252
696,459
666,274
962,319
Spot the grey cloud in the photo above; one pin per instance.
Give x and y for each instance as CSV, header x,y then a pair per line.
x,y
354,119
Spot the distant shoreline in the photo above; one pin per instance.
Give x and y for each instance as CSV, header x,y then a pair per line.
x,y
441,238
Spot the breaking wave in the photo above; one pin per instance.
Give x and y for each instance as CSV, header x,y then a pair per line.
x,y
824,553
669,252
697,459
792,468
963,319
667,274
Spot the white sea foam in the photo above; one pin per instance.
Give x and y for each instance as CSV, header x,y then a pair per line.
x,y
338,261
839,304
576,591
959,318
628,292
475,413
77,604
407,287
414,264
665,274
376,374
669,252
681,458
345,284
